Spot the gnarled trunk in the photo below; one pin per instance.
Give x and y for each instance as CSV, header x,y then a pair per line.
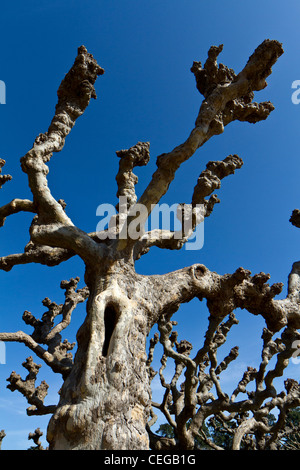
x,y
105,400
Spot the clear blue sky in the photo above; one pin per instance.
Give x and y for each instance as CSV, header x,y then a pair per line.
x,y
147,94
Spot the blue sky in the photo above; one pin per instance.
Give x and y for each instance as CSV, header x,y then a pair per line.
x,y
146,94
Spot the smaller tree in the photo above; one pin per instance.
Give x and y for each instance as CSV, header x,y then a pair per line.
x,y
290,434
223,422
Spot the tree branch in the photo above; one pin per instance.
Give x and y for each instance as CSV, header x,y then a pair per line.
x,y
138,155
52,226
36,254
16,205
57,355
194,402
34,395
227,97
191,215
226,292
3,178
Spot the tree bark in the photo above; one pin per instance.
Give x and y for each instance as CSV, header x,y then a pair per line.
x,y
105,401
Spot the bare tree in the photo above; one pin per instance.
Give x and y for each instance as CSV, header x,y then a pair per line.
x,y
105,401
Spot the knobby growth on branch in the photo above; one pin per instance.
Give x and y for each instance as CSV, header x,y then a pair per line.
x,y
194,396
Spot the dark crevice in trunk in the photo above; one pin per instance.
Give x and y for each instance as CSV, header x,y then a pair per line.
x,y
110,320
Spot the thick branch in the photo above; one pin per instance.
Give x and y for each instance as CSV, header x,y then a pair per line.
x,y
215,112
191,215
36,254
195,402
74,94
53,227
226,292
42,254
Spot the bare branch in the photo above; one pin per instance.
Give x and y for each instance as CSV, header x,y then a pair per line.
x,y
3,178
227,97
34,395
57,356
191,215
16,205
53,227
74,94
42,254
138,155
35,436
45,255
295,218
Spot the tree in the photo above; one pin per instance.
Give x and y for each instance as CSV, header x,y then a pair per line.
x,y
290,432
105,401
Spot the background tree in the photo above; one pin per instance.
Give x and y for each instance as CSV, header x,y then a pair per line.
x,y
290,433
105,400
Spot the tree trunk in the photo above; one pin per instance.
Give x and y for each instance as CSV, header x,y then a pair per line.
x,y
105,401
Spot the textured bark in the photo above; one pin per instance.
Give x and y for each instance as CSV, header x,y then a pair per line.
x,y
105,401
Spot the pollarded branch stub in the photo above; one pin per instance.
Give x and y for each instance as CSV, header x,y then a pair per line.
x,y
78,84
46,332
232,356
292,386
184,347
138,155
257,69
72,294
295,218
210,178
248,376
239,88
34,253
43,327
34,395
3,178
35,436
259,65
211,75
